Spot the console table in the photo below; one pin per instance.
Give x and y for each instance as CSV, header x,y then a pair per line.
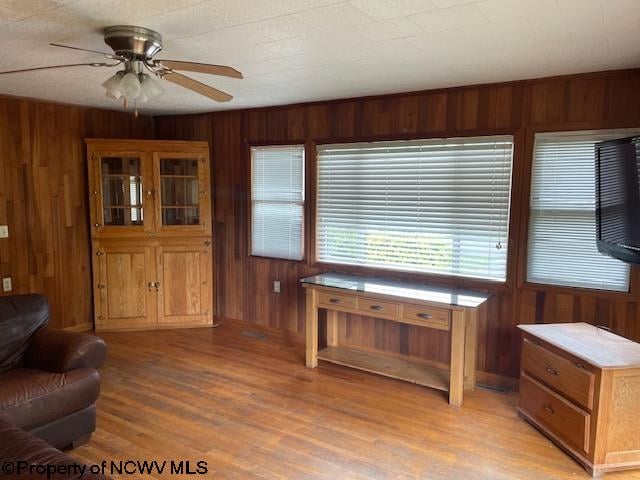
x,y
446,309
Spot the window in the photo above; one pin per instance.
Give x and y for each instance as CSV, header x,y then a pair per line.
x,y
562,233
437,206
277,201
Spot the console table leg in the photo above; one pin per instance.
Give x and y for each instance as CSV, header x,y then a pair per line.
x,y
456,381
332,328
311,327
471,344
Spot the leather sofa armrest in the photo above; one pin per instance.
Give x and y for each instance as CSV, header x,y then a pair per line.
x,y
61,351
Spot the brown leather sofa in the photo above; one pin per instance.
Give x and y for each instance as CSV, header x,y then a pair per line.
x,y
20,452
49,381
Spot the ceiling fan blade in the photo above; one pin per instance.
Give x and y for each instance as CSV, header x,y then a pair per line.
x,y
197,87
108,55
61,66
199,67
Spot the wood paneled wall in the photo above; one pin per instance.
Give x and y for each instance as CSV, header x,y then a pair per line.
x,y
44,199
590,101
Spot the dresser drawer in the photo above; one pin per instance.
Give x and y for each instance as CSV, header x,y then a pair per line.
x,y
555,414
337,301
427,317
371,306
559,373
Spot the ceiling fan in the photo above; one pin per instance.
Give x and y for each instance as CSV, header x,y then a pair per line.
x,y
134,49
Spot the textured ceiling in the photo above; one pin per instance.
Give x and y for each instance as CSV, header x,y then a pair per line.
x,y
302,50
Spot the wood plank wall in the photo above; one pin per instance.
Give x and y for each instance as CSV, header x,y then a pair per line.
x,y
589,101
44,199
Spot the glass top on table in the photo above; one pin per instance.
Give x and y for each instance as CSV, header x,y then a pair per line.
x,y
405,290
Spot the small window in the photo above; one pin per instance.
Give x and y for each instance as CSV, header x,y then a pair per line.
x,y
435,206
562,233
277,201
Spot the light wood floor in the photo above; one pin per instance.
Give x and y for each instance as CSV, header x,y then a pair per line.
x,y
251,409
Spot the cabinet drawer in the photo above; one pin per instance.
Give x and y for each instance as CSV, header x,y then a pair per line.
x,y
337,301
427,316
559,373
371,306
554,413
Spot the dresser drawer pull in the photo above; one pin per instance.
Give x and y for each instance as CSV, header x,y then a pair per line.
x,y
425,316
335,300
549,409
377,308
552,371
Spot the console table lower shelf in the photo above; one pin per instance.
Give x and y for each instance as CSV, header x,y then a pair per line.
x,y
389,366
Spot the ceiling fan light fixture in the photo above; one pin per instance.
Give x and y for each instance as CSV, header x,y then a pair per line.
x,y
112,85
130,86
150,87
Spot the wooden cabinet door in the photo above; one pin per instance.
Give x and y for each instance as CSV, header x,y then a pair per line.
x,y
124,286
185,295
182,196
121,193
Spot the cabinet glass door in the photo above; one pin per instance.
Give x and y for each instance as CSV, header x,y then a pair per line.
x,y
181,186
122,199
121,182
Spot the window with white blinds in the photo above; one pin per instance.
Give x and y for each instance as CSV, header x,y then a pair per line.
x,y
562,232
277,201
434,206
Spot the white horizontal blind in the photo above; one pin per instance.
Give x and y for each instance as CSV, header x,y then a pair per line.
x,y
277,201
438,206
562,232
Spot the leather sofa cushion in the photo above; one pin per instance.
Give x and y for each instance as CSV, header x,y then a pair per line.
x,y
20,317
18,445
32,398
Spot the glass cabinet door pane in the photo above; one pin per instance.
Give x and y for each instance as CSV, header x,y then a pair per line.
x,y
180,191
121,190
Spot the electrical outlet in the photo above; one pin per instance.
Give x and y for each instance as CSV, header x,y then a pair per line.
x,y
4,231
276,286
6,284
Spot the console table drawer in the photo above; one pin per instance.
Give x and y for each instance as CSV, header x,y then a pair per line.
x,y
337,301
559,373
554,413
371,306
427,317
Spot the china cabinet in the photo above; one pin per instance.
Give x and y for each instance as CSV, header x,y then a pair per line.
x,y
150,208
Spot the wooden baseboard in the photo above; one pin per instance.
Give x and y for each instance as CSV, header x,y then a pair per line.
x,y
81,327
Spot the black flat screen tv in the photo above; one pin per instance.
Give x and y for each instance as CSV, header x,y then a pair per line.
x,y
618,199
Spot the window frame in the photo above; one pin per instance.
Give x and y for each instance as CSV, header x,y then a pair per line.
x,y
305,199
455,281
522,283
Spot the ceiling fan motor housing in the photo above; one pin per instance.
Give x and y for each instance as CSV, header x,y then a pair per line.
x,y
133,42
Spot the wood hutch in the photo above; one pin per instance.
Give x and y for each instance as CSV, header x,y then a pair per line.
x,y
150,209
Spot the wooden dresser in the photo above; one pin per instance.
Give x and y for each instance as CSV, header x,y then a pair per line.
x,y
580,385
445,309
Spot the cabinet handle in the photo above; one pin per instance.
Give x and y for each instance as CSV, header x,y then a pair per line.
x,y
99,253
151,285
96,225
425,316
549,409
157,286
551,370
377,308
579,365
95,192
100,286
207,242
335,300
203,193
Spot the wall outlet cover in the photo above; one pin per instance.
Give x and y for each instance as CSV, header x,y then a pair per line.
x,y
4,231
6,284
276,286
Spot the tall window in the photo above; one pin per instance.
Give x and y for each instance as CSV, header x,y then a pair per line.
x,y
562,233
277,201
437,206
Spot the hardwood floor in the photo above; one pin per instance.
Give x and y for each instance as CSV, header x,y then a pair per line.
x,y
248,407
